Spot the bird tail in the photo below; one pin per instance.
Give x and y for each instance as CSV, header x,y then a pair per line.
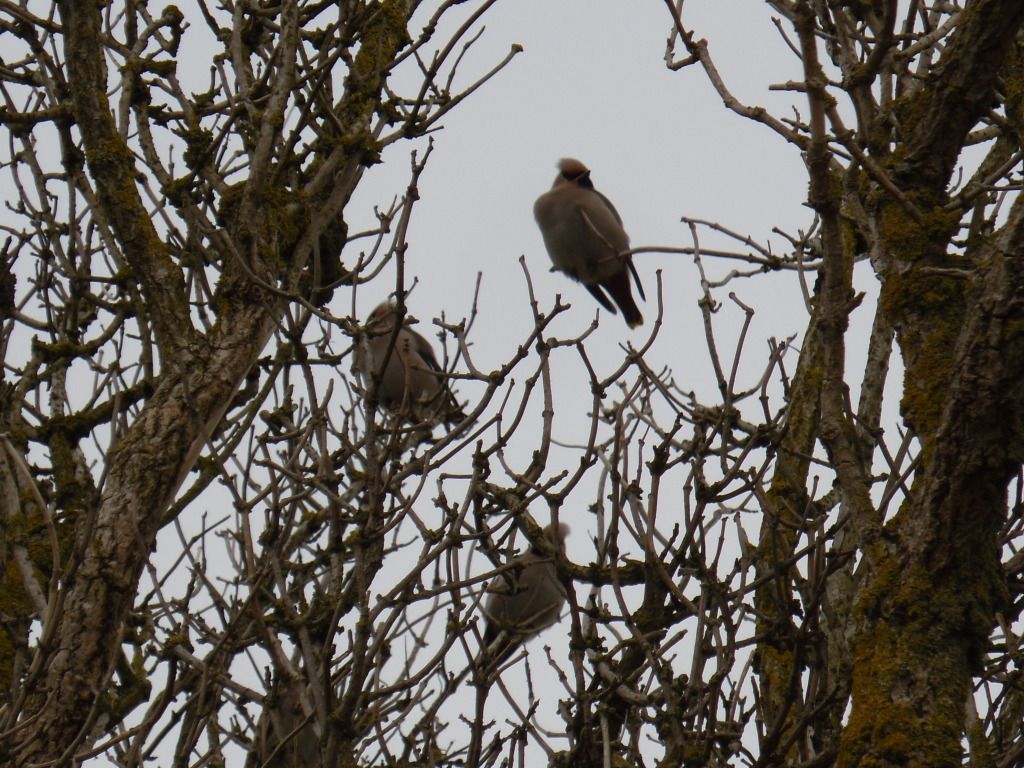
x,y
618,288
447,408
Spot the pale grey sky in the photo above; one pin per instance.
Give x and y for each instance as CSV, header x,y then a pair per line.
x,y
591,83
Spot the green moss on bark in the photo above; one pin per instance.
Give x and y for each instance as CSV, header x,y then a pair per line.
x,y
911,672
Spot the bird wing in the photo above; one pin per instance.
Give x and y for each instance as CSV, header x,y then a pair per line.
x,y
601,218
611,207
636,277
426,352
423,359
598,293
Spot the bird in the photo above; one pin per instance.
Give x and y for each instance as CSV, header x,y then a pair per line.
x,y
410,381
584,237
522,601
525,599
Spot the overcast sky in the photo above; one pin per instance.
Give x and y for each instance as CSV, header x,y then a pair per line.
x,y
592,84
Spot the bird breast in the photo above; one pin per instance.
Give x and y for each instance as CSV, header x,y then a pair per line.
x,y
406,375
531,603
582,235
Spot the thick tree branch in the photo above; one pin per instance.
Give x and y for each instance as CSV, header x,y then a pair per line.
x,y
112,165
960,91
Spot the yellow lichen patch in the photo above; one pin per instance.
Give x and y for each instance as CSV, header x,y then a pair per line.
x,y
926,307
909,681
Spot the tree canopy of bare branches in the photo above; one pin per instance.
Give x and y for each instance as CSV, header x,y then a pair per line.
x,y
228,539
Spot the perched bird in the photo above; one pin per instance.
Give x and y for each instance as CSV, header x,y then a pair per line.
x,y
411,380
585,239
524,600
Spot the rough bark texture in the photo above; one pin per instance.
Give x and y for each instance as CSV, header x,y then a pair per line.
x,y
199,373
770,574
144,468
936,581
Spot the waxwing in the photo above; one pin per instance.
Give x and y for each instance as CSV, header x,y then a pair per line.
x,y
525,599
585,239
411,380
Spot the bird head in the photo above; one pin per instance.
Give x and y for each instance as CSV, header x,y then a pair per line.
x,y
572,171
556,535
